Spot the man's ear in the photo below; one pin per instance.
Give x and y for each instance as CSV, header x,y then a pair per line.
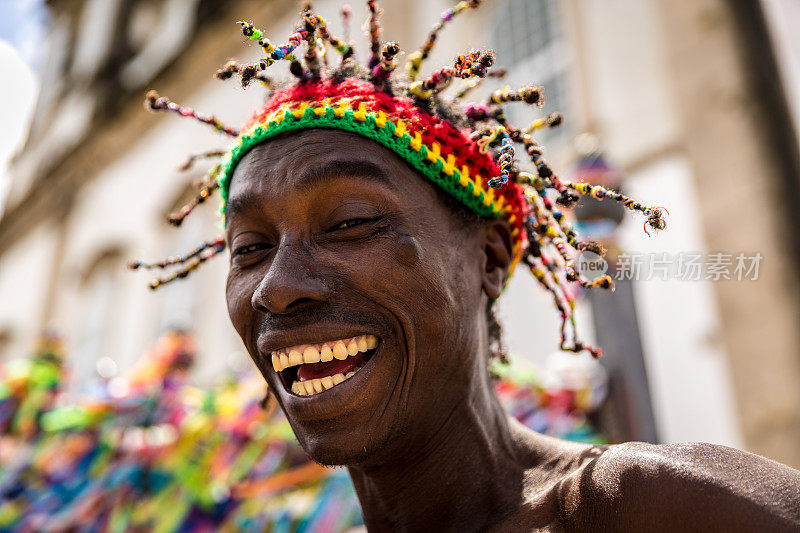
x,y
498,253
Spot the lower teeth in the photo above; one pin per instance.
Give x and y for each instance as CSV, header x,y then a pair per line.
x,y
317,385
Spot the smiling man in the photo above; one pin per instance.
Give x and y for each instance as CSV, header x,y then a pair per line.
x,y
371,226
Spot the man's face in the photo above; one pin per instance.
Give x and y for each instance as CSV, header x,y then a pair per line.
x,y
334,237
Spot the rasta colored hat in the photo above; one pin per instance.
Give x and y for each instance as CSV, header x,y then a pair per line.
x,y
466,150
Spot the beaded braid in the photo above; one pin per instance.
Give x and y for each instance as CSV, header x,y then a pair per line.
x,y
374,33
274,54
207,188
311,57
545,270
550,227
505,157
416,59
655,215
384,69
477,113
345,13
474,83
473,64
505,160
192,260
154,102
247,74
467,150
253,33
186,165
550,121
530,95
177,260
344,49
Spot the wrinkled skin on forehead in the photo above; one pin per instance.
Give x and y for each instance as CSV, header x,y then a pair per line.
x,y
334,236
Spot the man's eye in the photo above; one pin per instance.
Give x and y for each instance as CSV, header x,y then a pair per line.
x,y
353,222
249,248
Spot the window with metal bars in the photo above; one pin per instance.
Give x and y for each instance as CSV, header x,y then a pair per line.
x,y
527,38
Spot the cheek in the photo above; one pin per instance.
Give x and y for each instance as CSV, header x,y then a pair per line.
x,y
441,294
400,262
412,278
396,267
238,293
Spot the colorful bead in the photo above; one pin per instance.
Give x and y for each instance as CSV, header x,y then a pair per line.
x,y
388,64
530,94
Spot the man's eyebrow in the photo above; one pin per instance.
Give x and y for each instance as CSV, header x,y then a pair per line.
x,y
239,203
315,174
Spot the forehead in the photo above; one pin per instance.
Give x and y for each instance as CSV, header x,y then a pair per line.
x,y
294,150
299,161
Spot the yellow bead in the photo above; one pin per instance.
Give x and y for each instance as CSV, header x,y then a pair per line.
x,y
417,90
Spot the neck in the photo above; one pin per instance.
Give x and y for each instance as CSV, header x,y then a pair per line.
x,y
468,474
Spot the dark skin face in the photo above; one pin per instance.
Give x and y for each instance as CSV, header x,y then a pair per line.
x,y
333,236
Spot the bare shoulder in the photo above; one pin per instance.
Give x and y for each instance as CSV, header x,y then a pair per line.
x,y
684,486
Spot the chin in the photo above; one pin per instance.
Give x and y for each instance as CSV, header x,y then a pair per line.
x,y
338,444
339,450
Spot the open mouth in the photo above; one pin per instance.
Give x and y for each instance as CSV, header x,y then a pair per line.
x,y
308,369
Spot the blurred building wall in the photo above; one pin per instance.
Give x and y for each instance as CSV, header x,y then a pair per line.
x,y
782,17
738,138
97,178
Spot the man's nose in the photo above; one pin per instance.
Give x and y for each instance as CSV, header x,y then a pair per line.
x,y
292,282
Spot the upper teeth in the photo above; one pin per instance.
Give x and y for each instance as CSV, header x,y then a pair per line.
x,y
324,352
